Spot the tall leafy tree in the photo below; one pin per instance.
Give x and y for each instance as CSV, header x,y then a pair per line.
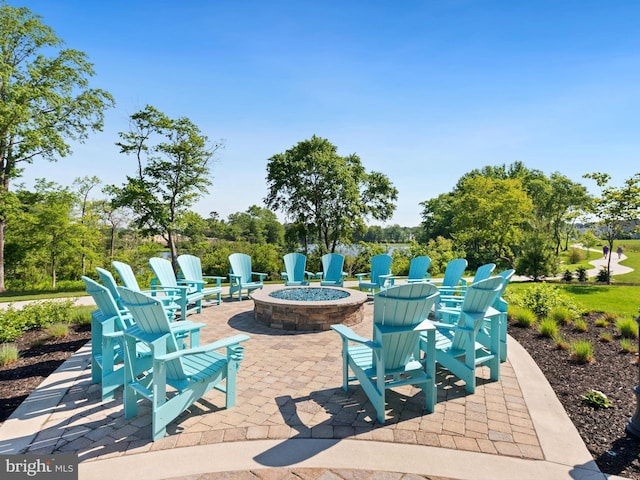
x,y
330,195
45,100
617,208
173,171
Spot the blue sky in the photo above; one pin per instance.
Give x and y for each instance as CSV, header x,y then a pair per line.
x,y
423,91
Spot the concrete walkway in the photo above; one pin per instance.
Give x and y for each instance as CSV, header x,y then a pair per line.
x,y
292,420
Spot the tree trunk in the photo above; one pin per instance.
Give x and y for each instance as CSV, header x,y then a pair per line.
x,y
173,250
2,227
112,247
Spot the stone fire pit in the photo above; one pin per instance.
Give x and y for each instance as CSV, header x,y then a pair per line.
x,y
308,308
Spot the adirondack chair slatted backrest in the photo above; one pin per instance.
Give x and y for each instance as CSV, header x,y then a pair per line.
x,y
477,301
453,272
151,318
484,271
506,275
332,267
191,267
241,266
380,265
418,268
295,265
125,272
105,303
108,281
403,306
164,272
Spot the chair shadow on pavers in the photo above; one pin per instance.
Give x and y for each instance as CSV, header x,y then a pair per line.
x,y
330,416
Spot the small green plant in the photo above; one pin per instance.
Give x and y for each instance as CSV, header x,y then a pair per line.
x,y
606,337
582,351
603,275
627,327
597,399
548,328
38,342
541,298
560,342
82,315
561,315
567,276
609,317
8,354
523,317
58,330
575,255
601,322
581,274
581,325
628,345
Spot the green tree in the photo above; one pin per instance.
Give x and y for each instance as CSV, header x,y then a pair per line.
x,y
173,169
616,208
330,195
256,225
49,231
88,219
45,99
588,240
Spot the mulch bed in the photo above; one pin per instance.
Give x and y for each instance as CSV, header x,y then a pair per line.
x,y
603,429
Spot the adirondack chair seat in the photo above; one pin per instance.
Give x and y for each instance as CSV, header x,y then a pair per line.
x,y
392,357
190,373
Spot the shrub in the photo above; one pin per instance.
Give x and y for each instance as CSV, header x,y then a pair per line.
x,y
14,322
522,317
561,314
548,328
58,330
575,255
581,325
8,354
541,298
82,315
567,276
582,351
597,399
627,327
581,274
628,345
603,275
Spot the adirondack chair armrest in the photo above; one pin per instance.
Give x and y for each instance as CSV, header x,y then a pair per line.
x,y
309,274
186,326
386,277
284,276
217,279
443,326
235,278
113,334
360,276
260,275
319,275
351,336
423,326
217,345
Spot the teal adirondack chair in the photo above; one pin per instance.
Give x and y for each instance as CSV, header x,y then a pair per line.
x,y
241,275
191,269
454,295
190,373
168,297
417,271
379,275
189,299
295,265
498,308
108,323
452,276
457,346
392,357
332,274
